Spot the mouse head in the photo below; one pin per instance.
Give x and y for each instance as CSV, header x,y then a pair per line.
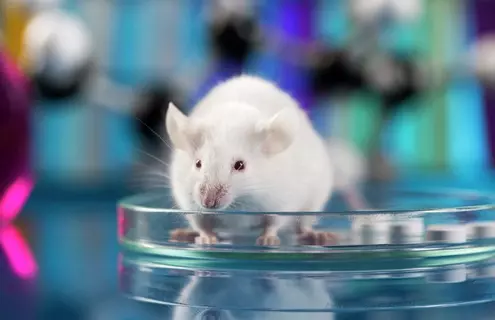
x,y
228,150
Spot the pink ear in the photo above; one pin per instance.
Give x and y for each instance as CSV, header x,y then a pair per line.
x,y
176,123
194,136
278,132
183,134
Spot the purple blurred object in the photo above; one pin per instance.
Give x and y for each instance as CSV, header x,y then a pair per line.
x,y
223,71
296,18
485,24
15,102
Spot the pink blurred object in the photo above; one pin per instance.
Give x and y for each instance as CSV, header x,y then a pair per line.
x,y
14,199
16,180
15,103
18,253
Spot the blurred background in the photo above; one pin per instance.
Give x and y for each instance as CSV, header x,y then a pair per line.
x,y
84,87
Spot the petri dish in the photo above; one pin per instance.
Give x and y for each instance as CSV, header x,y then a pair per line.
x,y
411,254
453,224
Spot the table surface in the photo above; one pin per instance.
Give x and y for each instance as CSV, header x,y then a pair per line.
x,y
72,233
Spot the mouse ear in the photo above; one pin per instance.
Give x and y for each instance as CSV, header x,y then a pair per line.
x,y
278,132
183,134
176,123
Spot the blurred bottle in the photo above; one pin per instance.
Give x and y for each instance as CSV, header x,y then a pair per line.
x,y
232,30
14,17
58,53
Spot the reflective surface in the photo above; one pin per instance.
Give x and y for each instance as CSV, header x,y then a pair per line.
x,y
72,233
223,293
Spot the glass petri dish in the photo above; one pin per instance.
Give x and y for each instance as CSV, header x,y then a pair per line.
x,y
445,225
414,253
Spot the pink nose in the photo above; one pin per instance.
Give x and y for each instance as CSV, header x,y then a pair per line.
x,y
210,202
210,197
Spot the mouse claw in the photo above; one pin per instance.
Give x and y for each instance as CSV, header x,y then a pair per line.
x,y
268,241
183,235
206,239
317,238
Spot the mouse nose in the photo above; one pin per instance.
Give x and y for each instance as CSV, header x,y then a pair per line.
x,y
210,197
210,202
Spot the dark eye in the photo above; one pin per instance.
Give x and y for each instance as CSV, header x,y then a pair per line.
x,y
239,165
198,164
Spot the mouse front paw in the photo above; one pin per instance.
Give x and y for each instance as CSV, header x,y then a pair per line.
x,y
206,239
317,238
183,235
268,240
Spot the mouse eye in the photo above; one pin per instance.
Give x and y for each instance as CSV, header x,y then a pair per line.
x,y
239,165
198,164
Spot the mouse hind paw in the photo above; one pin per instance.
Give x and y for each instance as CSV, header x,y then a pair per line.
x,y
317,238
268,240
206,239
183,235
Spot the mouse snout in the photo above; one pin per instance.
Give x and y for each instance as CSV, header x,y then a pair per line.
x,y
212,195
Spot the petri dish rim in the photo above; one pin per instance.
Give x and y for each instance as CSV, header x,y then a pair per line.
x,y
132,203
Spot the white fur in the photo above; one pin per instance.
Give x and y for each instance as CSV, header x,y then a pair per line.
x,y
350,167
287,170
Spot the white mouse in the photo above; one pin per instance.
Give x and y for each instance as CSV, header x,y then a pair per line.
x,y
248,145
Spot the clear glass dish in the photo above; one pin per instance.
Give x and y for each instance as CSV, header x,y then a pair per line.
x,y
452,224
413,254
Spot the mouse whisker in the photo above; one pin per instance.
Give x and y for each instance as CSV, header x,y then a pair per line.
x,y
149,171
150,180
149,186
149,183
151,168
146,166
154,157
155,133
154,179
155,174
